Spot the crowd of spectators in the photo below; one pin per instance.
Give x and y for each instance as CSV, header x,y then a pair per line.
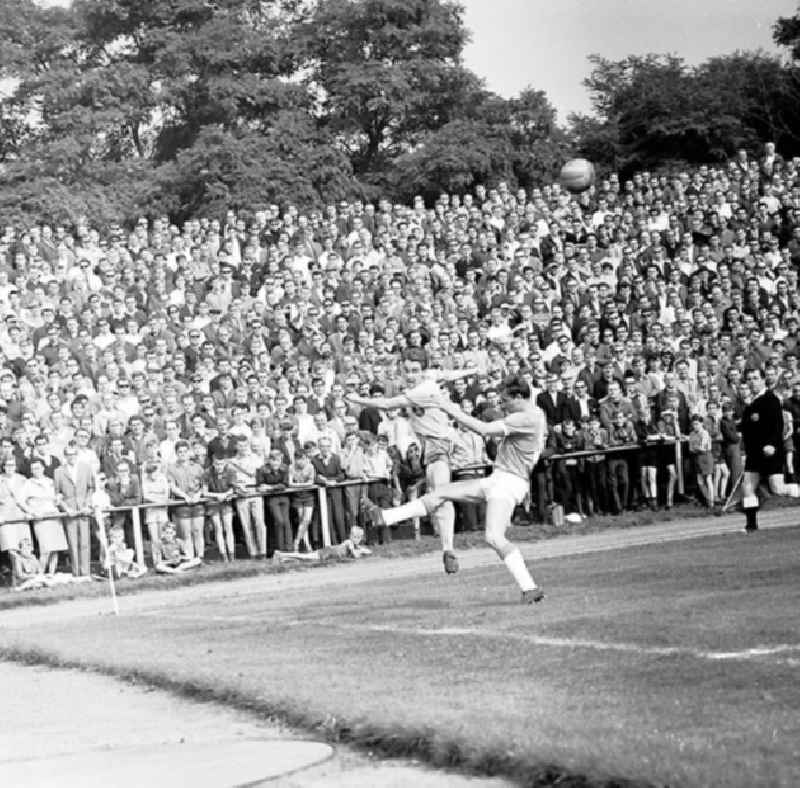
x,y
202,363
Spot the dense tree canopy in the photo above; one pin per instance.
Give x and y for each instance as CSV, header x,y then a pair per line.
x,y
124,107
653,110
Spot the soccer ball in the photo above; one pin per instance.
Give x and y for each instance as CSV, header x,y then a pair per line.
x,y
577,175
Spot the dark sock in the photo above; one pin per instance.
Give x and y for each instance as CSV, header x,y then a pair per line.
x,y
751,513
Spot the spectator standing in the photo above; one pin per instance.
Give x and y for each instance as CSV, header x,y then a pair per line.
x,y
621,433
249,507
568,471
155,490
703,460
329,471
301,476
12,507
185,479
39,497
219,485
274,478
74,484
124,491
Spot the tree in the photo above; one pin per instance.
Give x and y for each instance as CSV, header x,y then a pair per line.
x,y
454,159
655,109
132,87
243,168
124,107
386,72
515,140
786,33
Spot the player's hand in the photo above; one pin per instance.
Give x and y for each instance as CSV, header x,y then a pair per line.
x,y
769,451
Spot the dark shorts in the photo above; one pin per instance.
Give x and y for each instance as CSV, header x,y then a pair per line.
x,y
189,512
215,507
766,466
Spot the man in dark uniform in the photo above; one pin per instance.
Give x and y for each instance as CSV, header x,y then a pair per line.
x,y
762,437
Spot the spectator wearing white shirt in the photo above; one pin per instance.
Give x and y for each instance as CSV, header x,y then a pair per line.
x,y
397,430
323,429
306,431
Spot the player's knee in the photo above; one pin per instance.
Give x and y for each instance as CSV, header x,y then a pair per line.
x,y
498,542
443,513
432,502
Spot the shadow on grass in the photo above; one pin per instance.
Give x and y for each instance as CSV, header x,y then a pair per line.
x,y
421,744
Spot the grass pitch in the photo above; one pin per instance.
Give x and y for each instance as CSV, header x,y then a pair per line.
x,y
664,664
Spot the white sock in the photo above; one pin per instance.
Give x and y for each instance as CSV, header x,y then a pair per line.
x,y
408,510
516,565
446,517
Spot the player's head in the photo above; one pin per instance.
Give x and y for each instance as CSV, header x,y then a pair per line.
x,y
515,391
755,380
413,372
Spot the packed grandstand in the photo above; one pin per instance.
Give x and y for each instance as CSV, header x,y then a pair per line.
x,y
198,374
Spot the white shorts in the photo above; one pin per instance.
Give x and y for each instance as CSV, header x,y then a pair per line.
x,y
505,485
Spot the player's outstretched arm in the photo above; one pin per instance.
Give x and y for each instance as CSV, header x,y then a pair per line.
x,y
449,375
487,429
381,403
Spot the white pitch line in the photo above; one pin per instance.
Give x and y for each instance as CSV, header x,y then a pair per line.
x,y
536,640
594,645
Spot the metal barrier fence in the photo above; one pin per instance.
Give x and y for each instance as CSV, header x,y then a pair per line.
x,y
136,509
322,494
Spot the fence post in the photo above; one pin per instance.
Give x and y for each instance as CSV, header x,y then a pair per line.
x,y
136,521
679,463
323,516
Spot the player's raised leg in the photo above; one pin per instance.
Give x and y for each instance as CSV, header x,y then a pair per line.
x,y
467,490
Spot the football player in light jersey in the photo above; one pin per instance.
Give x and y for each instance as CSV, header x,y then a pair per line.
x,y
522,433
432,426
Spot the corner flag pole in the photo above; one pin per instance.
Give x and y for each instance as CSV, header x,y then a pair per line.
x,y
98,514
